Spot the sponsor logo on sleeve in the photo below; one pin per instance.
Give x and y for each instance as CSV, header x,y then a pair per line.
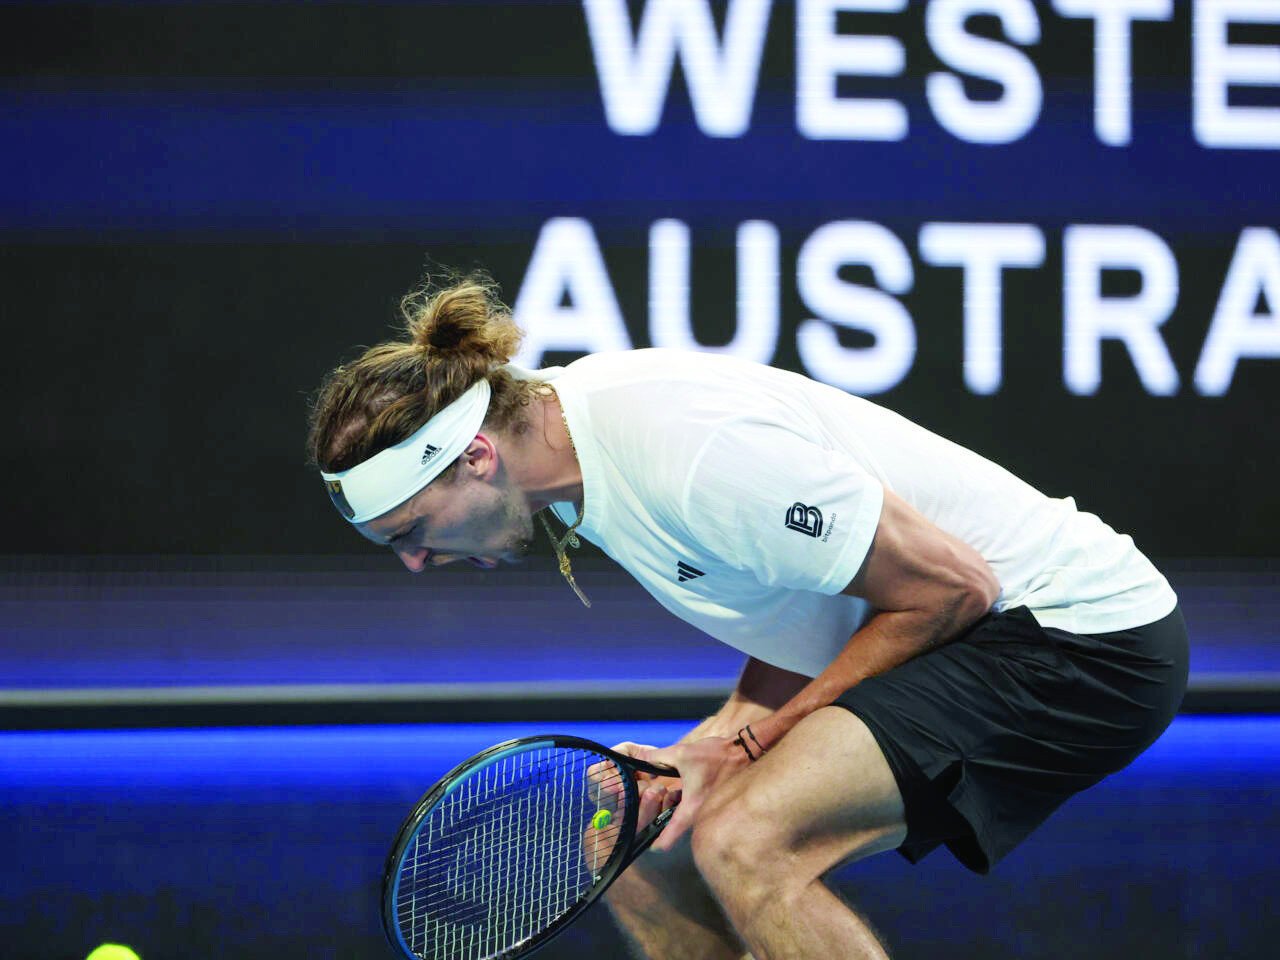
x,y
805,519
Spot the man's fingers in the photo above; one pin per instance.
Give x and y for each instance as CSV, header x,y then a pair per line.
x,y
604,782
676,828
652,802
656,797
629,749
662,756
637,751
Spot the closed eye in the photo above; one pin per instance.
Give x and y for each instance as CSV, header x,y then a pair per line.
x,y
399,536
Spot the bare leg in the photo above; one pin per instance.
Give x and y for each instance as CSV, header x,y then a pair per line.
x,y
815,923
666,909
764,839
661,902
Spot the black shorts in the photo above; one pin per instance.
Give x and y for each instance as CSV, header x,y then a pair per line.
x,y
991,733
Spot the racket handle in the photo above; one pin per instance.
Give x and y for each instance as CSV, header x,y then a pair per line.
x,y
648,835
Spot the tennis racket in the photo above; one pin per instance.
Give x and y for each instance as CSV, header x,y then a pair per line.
x,y
511,847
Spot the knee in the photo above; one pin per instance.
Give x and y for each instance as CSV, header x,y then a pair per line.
x,y
739,856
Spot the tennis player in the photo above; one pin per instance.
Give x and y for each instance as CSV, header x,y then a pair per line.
x,y
937,653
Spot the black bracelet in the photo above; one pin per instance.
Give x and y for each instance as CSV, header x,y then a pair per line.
x,y
740,741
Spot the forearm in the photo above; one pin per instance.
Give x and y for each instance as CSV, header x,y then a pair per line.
x,y
761,690
887,639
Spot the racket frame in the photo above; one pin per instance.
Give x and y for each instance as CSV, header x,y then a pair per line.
x,y
638,844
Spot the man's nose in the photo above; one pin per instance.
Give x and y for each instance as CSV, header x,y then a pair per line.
x,y
414,558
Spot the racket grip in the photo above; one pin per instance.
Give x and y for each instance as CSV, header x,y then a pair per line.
x,y
649,834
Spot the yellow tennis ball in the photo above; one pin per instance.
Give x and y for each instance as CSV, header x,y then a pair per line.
x,y
113,951
601,820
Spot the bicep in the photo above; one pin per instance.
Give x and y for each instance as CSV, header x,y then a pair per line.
x,y
914,565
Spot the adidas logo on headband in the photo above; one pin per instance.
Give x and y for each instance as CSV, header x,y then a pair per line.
x,y
393,475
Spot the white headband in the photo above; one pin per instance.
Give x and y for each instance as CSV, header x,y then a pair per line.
x,y
392,476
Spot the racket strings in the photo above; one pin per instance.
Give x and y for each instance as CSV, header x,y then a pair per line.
x,y
498,842
461,823
493,887
510,849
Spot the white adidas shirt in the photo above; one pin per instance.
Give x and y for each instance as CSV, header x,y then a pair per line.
x,y
745,498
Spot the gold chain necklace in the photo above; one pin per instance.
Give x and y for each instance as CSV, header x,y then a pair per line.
x,y
570,538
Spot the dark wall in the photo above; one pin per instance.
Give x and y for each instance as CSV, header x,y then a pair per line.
x,y
203,207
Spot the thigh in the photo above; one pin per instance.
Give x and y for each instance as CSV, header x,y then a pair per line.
x,y
823,795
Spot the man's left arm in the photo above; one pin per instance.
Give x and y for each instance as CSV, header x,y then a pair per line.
x,y
925,586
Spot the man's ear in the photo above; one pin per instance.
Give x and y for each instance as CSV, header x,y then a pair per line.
x,y
481,457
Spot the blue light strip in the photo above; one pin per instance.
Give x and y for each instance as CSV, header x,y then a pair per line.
x,y
287,160
297,757
293,757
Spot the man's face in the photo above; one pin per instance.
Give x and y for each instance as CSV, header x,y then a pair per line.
x,y
463,518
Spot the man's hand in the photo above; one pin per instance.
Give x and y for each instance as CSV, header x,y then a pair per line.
x,y
702,764
656,793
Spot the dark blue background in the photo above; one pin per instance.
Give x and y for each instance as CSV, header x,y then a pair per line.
x,y
205,205
269,843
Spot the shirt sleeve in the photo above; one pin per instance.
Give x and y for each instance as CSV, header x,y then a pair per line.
x,y
763,498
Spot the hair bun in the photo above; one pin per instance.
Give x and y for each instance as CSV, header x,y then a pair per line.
x,y
463,322
458,332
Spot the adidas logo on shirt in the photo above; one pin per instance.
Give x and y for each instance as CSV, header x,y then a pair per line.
x,y
685,572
